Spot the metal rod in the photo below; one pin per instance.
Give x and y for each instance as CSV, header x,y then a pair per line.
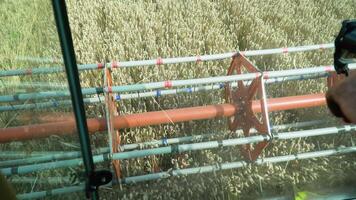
x,y
156,117
203,169
154,93
198,58
239,164
128,88
107,110
160,61
65,37
43,70
53,192
177,149
173,83
43,180
21,154
265,107
18,85
47,156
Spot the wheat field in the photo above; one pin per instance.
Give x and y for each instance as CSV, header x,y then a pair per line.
x,y
106,30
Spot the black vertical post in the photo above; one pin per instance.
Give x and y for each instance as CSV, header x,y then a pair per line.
x,y
61,18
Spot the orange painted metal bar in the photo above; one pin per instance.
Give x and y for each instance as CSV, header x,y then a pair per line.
x,y
292,102
157,117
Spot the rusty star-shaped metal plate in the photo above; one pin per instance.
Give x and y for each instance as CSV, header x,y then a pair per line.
x,y
242,98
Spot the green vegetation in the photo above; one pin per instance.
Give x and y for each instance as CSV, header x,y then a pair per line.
x,y
130,30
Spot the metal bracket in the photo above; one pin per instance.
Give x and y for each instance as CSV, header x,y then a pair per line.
x,y
242,97
111,112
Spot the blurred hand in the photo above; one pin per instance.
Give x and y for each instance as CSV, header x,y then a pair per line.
x,y
341,99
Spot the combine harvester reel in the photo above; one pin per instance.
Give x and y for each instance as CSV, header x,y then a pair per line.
x,y
245,96
246,108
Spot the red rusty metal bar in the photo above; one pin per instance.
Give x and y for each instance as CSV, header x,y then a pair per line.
x,y
157,117
114,134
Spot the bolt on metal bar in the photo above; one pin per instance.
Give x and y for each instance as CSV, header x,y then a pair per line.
x,y
177,149
65,37
160,61
199,170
